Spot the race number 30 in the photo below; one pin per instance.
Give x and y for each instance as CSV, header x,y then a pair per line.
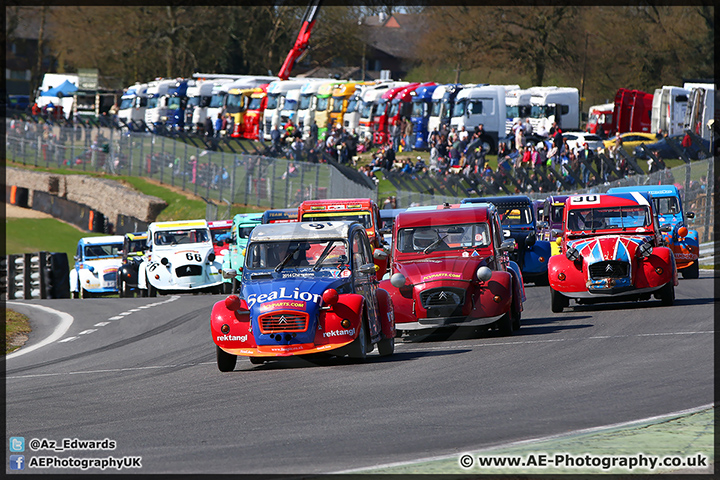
x,y
585,200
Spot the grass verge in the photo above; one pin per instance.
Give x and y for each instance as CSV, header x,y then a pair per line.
x,y
17,326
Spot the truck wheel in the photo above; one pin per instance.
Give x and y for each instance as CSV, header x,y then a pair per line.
x,y
693,271
667,294
225,361
386,346
358,348
558,301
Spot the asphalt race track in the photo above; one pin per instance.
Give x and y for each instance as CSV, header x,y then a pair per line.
x,y
148,380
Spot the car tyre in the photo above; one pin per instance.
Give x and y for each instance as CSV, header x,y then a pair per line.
x,y
152,291
125,290
558,301
386,346
505,324
516,318
225,361
667,294
357,350
543,280
235,286
693,271
256,360
227,288
75,294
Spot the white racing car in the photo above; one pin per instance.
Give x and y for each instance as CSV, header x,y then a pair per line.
x,y
96,262
179,258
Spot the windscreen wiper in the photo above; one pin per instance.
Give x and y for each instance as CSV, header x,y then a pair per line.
x,y
434,244
323,255
287,258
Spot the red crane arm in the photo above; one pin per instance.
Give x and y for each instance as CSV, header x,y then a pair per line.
x,y
301,43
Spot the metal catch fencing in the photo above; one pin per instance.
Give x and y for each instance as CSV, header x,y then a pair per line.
x,y
219,177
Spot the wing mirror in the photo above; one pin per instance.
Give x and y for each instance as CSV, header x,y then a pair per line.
x,y
665,227
380,254
508,245
230,273
76,258
690,215
367,269
530,239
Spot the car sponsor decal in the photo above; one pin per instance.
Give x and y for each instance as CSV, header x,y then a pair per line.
x,y
338,333
345,274
283,294
475,253
440,275
278,304
465,254
231,338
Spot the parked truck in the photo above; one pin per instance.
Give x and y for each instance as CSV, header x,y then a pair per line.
x,y
700,110
554,104
132,104
632,111
517,107
600,120
482,105
668,110
276,92
420,114
371,96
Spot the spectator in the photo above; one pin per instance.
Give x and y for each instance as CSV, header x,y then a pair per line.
x,y
297,148
229,125
275,139
209,131
408,135
218,125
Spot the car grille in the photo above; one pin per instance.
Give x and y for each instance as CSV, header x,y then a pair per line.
x,y
188,270
283,322
609,269
443,301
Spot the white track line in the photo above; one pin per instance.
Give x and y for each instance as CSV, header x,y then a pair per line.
x,y
534,440
65,321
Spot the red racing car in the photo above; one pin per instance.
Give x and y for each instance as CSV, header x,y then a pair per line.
x,y
450,267
612,250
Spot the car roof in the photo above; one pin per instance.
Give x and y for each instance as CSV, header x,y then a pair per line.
x,y
180,224
303,231
512,200
629,199
103,240
443,215
656,190
137,235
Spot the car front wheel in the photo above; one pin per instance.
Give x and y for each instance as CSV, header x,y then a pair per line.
x,y
667,294
225,361
386,346
693,271
558,301
358,348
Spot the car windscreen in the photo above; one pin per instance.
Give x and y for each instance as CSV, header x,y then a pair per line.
x,y
100,251
666,206
362,218
181,237
609,218
244,231
556,213
443,237
135,246
514,215
296,253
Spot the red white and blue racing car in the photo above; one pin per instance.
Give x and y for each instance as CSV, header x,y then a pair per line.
x,y
612,250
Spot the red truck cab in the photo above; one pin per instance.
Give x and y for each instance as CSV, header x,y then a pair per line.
x,y
254,113
380,118
361,210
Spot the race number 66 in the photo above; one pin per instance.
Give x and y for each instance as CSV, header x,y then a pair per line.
x,y
585,200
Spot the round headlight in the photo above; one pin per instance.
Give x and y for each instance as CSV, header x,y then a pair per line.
x,y
211,257
397,280
572,254
164,261
483,274
330,296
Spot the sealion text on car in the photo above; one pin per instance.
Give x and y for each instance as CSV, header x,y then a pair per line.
x,y
450,267
179,258
97,260
307,288
612,250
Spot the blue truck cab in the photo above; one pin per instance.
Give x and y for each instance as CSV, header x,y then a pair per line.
x,y
421,101
517,218
684,243
176,104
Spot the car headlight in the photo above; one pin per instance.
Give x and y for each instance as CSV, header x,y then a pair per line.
x,y
572,254
645,249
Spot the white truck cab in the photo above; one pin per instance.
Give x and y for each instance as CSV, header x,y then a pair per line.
x,y
554,104
156,101
482,105
276,92
133,103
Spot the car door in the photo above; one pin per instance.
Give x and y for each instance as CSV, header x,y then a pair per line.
x,y
363,283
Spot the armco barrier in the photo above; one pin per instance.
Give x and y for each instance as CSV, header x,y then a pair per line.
x,y
72,212
126,224
15,195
